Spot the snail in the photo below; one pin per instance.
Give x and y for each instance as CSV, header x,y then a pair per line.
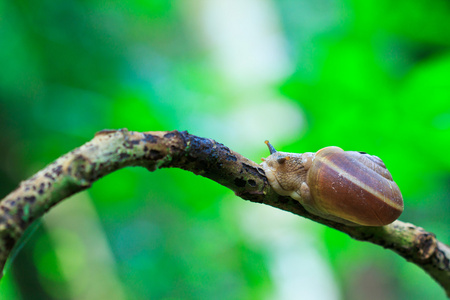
x,y
349,187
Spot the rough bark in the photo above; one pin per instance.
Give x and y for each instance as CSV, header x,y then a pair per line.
x,y
111,150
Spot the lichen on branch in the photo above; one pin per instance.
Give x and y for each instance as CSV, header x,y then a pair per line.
x,y
111,150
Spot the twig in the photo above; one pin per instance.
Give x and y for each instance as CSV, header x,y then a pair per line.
x,y
111,150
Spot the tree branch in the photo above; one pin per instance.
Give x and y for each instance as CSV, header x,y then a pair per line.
x,y
111,150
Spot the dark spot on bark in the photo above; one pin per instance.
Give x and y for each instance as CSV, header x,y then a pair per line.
x,y
57,170
30,199
105,132
149,139
145,148
48,175
20,212
231,158
251,182
252,170
135,142
5,209
224,148
124,155
128,144
190,158
201,145
239,182
155,154
170,134
9,241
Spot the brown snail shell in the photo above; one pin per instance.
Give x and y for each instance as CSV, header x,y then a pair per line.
x,y
348,187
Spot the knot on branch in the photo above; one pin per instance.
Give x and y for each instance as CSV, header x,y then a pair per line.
x,y
426,244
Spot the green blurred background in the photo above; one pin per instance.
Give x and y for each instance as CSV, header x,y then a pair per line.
x,y
364,75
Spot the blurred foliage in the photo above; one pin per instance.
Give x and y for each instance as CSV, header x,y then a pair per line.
x,y
365,75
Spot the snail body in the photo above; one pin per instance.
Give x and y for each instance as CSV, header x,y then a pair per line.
x,y
349,187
